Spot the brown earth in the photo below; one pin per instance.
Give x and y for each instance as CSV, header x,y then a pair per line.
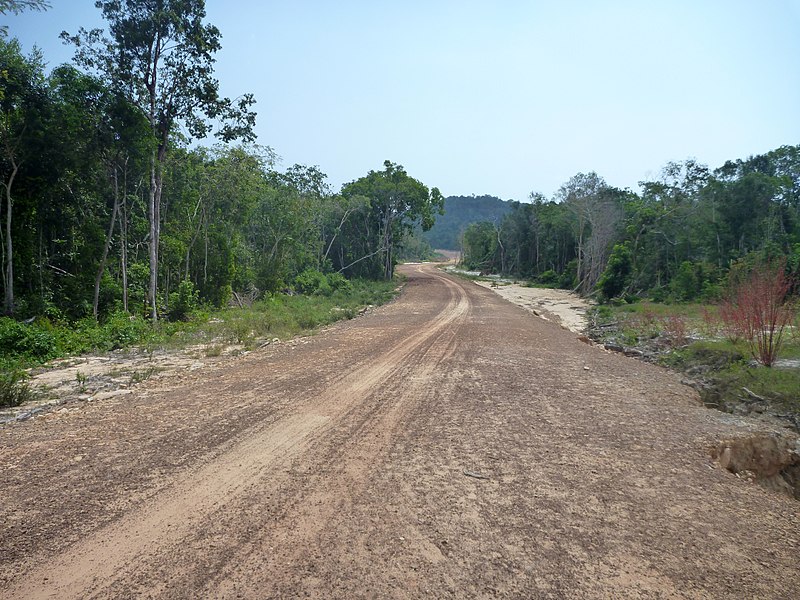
x,y
448,445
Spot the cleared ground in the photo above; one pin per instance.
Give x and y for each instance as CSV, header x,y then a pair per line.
x,y
448,445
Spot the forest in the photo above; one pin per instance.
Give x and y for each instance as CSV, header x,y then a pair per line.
x,y
113,207
110,204
677,239
460,212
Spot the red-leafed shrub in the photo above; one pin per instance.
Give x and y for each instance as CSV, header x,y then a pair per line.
x,y
758,311
675,330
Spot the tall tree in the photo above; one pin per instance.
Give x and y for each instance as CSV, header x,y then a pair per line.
x,y
397,202
161,53
23,103
583,196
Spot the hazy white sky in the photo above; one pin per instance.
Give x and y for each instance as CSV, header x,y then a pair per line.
x,y
500,98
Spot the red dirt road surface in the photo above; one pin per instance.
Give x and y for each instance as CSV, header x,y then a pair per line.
x,y
448,445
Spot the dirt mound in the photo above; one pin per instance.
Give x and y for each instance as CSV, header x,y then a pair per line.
x,y
771,459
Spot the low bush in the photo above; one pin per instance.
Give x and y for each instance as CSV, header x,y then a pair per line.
x,y
313,282
14,388
548,277
759,311
122,330
27,340
184,301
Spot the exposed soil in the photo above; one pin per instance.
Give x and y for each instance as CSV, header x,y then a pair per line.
x,y
448,445
97,377
560,306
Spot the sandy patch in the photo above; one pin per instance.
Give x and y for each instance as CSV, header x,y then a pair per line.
x,y
560,306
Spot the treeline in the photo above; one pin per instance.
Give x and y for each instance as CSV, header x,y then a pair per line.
x,y
677,238
107,205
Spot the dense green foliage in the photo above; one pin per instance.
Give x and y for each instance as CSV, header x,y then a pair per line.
x,y
111,220
394,204
77,172
676,239
459,213
24,345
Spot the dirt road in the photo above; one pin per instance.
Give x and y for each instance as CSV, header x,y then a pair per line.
x,y
448,445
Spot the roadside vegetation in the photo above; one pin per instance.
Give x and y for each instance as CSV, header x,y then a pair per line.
x,y
118,229
698,269
323,300
742,354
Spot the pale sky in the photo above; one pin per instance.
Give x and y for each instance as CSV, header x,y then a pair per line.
x,y
499,98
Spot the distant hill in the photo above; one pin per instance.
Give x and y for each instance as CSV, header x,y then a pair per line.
x,y
460,211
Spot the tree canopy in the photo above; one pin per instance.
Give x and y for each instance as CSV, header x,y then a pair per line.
x,y
675,239
397,202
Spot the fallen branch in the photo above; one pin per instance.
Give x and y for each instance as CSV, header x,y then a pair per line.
x,y
475,475
238,300
753,395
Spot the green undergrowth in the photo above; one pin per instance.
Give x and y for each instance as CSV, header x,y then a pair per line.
x,y
27,345
732,375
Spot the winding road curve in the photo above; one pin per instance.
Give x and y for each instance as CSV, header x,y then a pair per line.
x,y
448,445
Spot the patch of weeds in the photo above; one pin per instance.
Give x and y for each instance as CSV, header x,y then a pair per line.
x,y
81,379
238,330
468,275
139,376
709,355
14,388
778,387
675,330
214,350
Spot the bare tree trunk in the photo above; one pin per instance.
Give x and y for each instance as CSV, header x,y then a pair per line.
x,y
106,246
337,232
124,235
498,231
156,186
195,235
8,275
205,251
387,245
153,247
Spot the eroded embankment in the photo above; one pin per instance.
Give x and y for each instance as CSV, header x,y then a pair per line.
x,y
771,459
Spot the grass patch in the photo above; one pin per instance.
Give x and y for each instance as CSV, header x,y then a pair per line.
x,y
14,388
466,275
541,286
28,345
777,386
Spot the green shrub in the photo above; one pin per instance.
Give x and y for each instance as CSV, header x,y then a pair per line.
x,y
617,273
311,282
569,278
30,341
339,283
121,330
695,280
548,277
184,301
14,388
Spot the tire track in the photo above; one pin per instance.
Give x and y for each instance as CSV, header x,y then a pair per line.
x,y
120,552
